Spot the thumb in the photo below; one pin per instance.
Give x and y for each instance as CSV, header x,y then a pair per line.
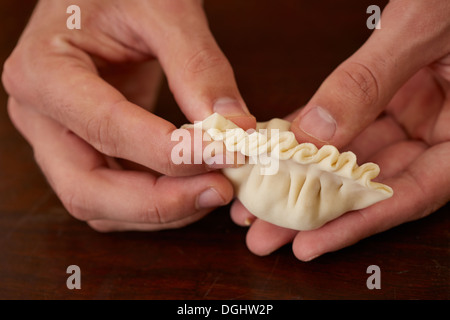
x,y
199,75
359,89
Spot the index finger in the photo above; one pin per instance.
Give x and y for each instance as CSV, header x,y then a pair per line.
x,y
67,88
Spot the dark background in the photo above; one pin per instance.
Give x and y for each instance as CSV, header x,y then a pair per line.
x,y
281,51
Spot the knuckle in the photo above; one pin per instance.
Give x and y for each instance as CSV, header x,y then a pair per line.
x,y
360,83
204,60
73,204
99,134
169,167
65,188
150,214
10,74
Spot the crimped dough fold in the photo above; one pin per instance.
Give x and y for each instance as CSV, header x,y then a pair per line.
x,y
292,185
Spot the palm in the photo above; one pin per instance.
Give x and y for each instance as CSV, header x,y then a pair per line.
x,y
416,115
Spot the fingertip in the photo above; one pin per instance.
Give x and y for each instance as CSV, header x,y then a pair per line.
x,y
303,249
263,238
240,215
101,226
236,111
254,237
256,247
245,122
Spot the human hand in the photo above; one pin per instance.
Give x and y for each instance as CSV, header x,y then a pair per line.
x,y
389,103
82,99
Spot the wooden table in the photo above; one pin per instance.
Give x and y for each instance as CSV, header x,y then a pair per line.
x,y
281,51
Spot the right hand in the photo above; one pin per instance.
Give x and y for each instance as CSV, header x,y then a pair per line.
x,y
81,98
389,103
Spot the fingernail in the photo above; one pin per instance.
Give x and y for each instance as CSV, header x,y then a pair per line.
x,y
319,124
230,107
209,198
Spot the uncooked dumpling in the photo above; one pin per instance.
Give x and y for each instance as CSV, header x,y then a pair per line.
x,y
294,185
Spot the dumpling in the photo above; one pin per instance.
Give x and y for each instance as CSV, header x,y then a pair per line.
x,y
292,185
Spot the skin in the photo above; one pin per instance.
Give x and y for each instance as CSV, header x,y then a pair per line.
x,y
93,134
390,104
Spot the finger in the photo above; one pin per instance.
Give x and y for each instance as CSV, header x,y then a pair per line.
x,y
199,75
90,190
140,198
99,114
263,237
240,215
419,189
358,90
353,226
113,226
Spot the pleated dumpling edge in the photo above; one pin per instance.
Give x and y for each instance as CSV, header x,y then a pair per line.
x,y
310,186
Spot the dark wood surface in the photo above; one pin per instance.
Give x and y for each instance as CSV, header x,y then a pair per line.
x,y
281,51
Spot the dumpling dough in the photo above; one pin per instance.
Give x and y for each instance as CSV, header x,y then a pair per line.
x,y
309,187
